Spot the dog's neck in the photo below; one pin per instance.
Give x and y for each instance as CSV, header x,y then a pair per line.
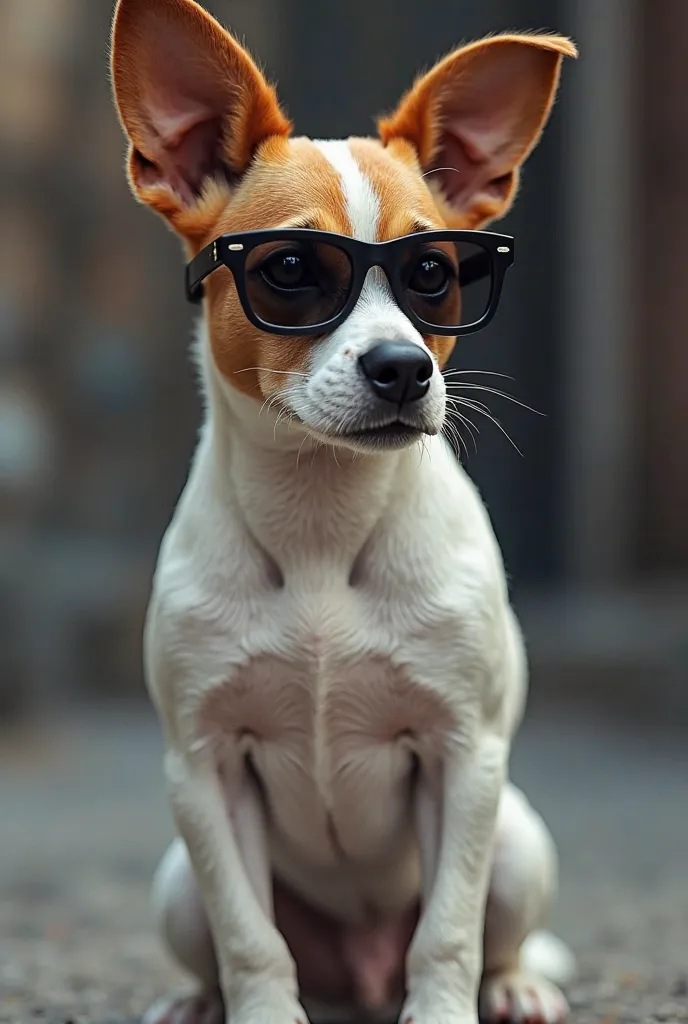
x,y
297,497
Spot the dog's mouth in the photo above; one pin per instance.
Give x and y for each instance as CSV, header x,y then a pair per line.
x,y
396,434
393,435
361,436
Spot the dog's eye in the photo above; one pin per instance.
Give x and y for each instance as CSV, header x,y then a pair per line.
x,y
430,275
287,270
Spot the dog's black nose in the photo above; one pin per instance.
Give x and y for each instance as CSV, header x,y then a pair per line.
x,y
397,370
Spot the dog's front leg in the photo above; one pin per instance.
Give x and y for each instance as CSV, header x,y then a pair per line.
x,y
222,824
456,815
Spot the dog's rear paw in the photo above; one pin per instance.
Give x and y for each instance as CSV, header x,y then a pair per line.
x,y
207,1008
521,998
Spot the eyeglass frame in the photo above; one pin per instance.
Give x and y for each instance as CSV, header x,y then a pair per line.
x,y
231,250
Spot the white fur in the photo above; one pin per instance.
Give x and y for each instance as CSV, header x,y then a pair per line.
x,y
337,619
362,203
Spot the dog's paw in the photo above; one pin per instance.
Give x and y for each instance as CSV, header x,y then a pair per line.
x,y
444,1017
266,1007
521,998
206,1008
436,1009
267,1016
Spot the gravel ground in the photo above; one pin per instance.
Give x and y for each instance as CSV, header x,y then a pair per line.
x,y
84,821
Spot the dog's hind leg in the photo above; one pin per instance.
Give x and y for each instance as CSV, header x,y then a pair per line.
x,y
183,925
522,966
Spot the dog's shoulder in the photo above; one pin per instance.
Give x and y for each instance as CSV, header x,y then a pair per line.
x,y
438,520
205,560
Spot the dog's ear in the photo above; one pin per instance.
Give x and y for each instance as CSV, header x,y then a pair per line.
x,y
191,100
475,117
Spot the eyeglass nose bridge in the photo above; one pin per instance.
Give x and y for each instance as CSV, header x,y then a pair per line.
x,y
376,272
376,279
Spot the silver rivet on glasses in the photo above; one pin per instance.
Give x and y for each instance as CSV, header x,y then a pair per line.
x,y
236,247
500,248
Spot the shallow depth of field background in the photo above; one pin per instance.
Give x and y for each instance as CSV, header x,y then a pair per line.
x,y
98,407
99,415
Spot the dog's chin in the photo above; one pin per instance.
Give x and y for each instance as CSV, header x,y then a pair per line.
x,y
386,437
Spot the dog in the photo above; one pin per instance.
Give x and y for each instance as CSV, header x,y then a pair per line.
x,y
329,644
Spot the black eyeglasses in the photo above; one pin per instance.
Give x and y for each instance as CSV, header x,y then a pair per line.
x,y
298,281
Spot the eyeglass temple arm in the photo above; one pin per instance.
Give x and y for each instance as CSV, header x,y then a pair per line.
x,y
198,269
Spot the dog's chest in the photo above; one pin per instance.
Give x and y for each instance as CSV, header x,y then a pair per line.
x,y
332,695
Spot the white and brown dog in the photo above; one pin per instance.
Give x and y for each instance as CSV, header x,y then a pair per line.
x,y
330,645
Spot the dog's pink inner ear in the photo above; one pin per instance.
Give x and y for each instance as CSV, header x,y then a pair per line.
x,y
475,117
463,168
183,150
191,100
488,119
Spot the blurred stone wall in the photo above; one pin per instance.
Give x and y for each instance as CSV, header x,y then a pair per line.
x,y
98,404
97,408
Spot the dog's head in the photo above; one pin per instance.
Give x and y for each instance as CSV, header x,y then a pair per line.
x,y
212,152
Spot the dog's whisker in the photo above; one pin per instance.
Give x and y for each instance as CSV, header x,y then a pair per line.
x,y
455,401
454,437
498,394
267,369
282,414
479,407
461,443
455,432
316,448
471,427
267,401
436,170
270,402
306,437
466,373
423,450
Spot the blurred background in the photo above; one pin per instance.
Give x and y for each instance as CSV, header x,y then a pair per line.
x,y
99,415
98,406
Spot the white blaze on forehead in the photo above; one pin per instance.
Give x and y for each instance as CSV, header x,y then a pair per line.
x,y
376,315
362,203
